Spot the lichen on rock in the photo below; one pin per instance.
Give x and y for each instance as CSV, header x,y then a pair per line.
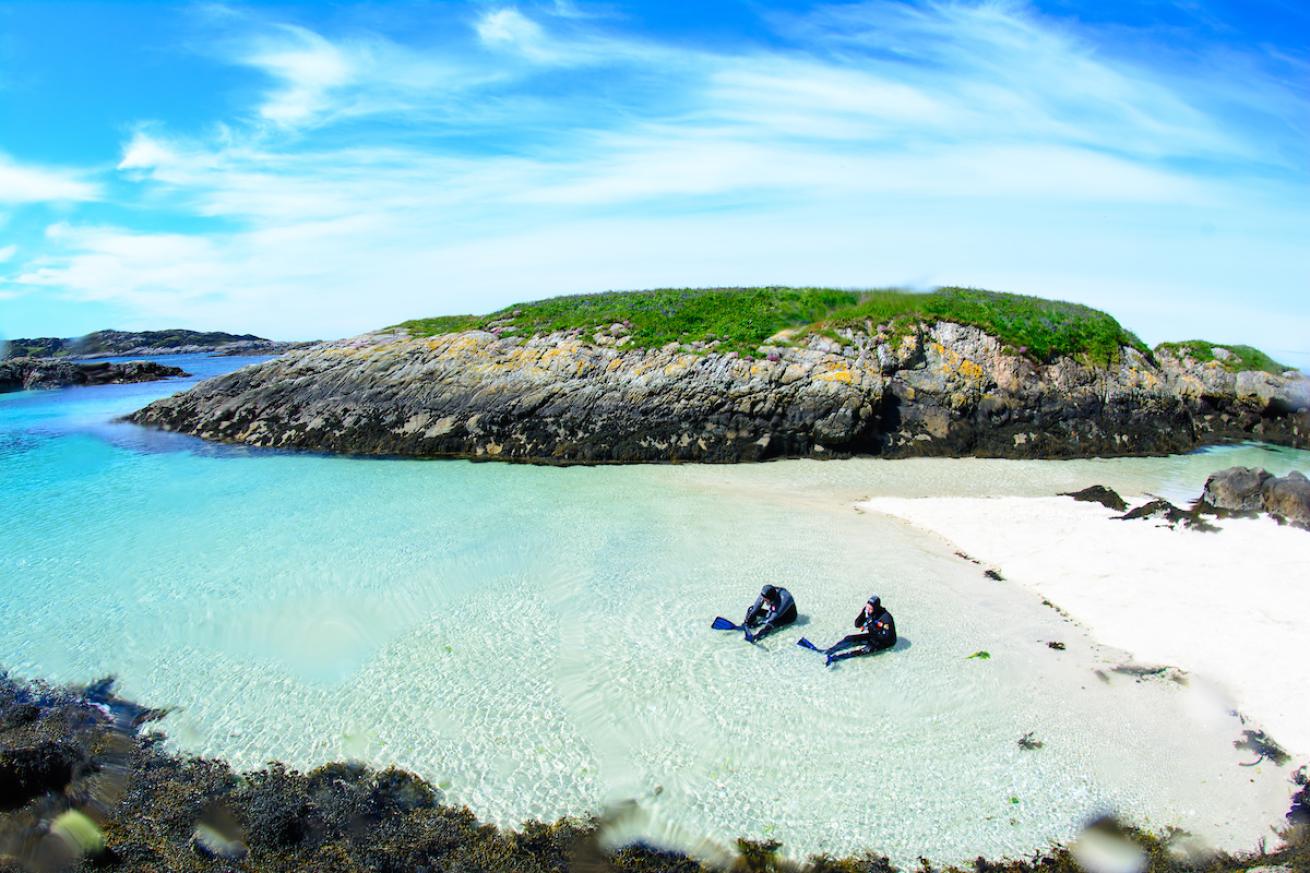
x,y
939,388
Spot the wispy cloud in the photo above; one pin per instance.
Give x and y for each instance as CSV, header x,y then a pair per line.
x,y
522,151
508,26
22,183
307,68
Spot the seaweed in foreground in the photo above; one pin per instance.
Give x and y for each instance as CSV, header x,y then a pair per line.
x,y
81,788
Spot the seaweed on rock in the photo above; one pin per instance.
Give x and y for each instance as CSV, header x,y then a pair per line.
x,y
86,790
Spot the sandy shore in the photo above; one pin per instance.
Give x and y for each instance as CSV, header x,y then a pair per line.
x,y
1231,607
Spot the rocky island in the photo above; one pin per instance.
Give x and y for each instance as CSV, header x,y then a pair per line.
x,y
26,374
123,343
726,375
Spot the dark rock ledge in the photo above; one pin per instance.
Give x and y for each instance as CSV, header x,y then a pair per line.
x,y
941,390
82,789
26,374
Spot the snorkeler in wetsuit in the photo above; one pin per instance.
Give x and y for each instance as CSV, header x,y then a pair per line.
x,y
878,632
774,608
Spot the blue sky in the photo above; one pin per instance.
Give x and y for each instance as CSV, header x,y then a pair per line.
x,y
317,170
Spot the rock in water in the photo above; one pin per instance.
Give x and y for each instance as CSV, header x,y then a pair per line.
x,y
1288,497
1107,497
27,374
944,390
1238,489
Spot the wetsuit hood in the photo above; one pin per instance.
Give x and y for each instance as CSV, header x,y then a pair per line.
x,y
876,602
769,593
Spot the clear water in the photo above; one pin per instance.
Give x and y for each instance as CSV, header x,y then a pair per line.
x,y
536,642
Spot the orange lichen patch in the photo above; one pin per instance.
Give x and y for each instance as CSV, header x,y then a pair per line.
x,y
836,374
463,345
679,365
1141,377
954,362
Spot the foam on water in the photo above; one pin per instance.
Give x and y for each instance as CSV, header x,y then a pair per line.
x,y
535,641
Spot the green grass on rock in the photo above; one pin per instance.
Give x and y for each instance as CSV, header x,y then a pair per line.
x,y
742,319
1238,357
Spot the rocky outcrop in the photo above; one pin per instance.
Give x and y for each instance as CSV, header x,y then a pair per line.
x,y
1237,489
122,344
263,347
1253,489
943,389
25,374
1288,497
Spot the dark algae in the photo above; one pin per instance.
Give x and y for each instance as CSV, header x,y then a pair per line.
x,y
1107,497
82,788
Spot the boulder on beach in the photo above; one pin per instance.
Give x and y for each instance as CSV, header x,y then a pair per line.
x,y
1289,497
1238,489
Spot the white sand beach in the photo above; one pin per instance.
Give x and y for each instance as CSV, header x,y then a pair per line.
x,y
1231,607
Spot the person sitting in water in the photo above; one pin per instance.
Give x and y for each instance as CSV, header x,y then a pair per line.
x,y
877,632
774,608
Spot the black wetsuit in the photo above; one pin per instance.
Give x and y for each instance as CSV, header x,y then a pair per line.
x,y
768,617
879,633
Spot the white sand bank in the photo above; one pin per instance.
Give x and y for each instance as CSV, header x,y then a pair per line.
x,y
1232,607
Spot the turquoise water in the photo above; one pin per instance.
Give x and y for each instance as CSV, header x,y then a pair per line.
x,y
535,640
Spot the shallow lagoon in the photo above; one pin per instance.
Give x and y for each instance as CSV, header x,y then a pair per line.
x,y
536,641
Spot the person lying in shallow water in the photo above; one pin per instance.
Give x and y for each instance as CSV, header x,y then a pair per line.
x,y
774,608
877,632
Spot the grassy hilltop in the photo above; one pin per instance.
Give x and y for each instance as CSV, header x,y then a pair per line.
x,y
742,319
1234,359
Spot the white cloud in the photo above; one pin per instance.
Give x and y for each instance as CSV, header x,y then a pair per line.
x,y
940,142
508,26
145,152
20,183
308,68
7,252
